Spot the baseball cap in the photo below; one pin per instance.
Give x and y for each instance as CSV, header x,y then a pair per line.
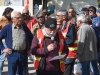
x,y
51,23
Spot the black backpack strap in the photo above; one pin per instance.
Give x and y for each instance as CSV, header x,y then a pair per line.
x,y
45,47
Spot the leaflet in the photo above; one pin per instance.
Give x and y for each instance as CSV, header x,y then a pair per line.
x,y
58,57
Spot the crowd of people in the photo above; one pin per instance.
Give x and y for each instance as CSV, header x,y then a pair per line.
x,y
75,35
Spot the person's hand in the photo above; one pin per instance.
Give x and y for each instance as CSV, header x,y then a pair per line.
x,y
51,47
7,51
29,52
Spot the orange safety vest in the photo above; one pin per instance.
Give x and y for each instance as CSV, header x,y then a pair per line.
x,y
38,58
64,31
72,48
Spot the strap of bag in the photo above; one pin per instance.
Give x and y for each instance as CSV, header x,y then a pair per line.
x,y
42,65
45,47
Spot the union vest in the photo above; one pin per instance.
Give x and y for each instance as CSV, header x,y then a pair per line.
x,y
72,48
38,58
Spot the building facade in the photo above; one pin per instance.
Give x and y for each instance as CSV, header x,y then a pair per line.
x,y
40,3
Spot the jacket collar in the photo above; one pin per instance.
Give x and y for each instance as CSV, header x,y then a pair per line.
x,y
82,25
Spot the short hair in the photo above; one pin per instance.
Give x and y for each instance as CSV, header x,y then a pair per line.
x,y
84,9
40,13
63,12
89,20
25,10
7,10
13,13
82,18
72,9
93,7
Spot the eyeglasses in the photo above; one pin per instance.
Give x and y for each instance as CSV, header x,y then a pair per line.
x,y
39,17
18,17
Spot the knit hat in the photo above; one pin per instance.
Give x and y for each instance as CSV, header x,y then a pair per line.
x,y
51,23
85,9
80,12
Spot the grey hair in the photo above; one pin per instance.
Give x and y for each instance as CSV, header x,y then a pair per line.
x,y
63,12
82,18
40,13
13,13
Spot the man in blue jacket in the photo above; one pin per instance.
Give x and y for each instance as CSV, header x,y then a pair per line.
x,y
18,40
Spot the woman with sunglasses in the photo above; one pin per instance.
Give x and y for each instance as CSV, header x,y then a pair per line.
x,y
92,12
40,22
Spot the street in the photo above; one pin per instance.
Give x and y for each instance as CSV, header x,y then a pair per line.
x,y
30,66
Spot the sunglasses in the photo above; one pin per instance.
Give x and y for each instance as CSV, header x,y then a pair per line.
x,y
39,17
26,13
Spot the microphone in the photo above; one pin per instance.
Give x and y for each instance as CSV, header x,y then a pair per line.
x,y
52,39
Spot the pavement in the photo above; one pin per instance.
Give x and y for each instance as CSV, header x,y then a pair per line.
x,y
30,67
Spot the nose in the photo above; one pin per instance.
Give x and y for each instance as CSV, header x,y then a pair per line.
x,y
20,18
58,26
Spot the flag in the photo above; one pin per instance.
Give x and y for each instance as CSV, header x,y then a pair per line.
x,y
26,4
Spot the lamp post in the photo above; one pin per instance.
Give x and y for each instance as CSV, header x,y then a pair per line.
x,y
44,4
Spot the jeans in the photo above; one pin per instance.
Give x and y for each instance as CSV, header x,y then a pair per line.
x,y
2,58
94,67
85,67
69,69
69,63
99,58
17,61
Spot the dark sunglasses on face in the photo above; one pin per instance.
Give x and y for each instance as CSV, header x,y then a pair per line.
x,y
39,17
26,13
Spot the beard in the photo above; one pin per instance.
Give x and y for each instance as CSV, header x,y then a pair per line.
x,y
47,34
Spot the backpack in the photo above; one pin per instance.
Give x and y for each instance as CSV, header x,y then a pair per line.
x,y
51,9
